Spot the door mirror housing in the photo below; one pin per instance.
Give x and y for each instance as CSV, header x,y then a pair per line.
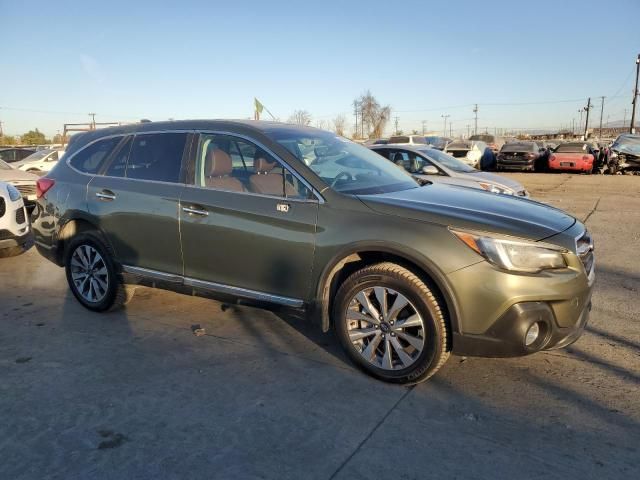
x,y
430,170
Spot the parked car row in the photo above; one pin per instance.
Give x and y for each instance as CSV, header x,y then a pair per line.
x,y
273,214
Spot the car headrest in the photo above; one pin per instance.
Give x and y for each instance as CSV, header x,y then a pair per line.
x,y
262,165
218,163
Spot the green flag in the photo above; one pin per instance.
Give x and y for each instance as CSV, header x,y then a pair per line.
x,y
259,106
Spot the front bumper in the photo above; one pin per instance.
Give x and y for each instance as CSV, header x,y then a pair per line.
x,y
496,309
506,336
515,165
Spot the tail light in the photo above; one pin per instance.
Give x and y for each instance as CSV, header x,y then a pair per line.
x,y
43,185
552,158
587,158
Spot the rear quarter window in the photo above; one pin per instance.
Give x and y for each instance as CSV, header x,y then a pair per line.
x,y
91,158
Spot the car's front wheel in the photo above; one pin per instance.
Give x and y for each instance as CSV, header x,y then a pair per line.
x,y
92,275
391,324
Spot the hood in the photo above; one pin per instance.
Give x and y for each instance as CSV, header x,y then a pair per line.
x,y
473,209
495,179
15,174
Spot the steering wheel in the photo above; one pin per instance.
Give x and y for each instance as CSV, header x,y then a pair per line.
x,y
341,174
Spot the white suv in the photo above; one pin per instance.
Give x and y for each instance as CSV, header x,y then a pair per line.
x,y
15,231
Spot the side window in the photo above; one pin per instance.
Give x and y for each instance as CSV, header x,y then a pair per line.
x,y
53,157
156,156
234,164
401,159
118,165
418,163
92,158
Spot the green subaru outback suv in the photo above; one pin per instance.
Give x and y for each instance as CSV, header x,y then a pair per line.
x,y
274,214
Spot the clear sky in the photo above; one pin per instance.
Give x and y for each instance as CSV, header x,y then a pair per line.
x,y
208,59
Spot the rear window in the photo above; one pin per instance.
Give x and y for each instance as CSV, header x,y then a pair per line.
x,y
572,148
483,138
420,140
458,146
90,159
157,157
517,147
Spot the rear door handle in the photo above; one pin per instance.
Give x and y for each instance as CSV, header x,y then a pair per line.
x,y
106,195
195,211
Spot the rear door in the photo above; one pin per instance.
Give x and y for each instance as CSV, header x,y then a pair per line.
x,y
235,238
135,199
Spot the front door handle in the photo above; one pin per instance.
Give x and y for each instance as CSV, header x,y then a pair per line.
x,y
106,195
195,211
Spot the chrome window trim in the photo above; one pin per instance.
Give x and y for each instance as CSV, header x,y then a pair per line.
x,y
314,201
315,192
213,286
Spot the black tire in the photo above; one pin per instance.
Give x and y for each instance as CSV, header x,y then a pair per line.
x,y
116,295
391,275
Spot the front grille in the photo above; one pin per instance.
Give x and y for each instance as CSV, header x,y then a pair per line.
x,y
584,249
3,207
20,216
458,153
26,190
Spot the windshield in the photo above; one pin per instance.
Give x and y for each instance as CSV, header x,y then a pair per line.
x,y
447,161
438,142
628,144
343,165
38,155
5,166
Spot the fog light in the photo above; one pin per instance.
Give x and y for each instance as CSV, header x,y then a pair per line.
x,y
532,334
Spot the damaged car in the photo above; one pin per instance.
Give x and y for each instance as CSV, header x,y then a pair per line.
x,y
624,155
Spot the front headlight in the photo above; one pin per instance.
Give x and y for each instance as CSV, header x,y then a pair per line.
x,y
14,194
490,187
512,254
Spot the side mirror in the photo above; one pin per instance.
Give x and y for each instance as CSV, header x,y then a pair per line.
x,y
430,170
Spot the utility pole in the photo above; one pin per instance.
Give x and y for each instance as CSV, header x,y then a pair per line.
x,y
1,131
632,129
396,125
624,119
580,111
573,126
475,112
586,123
450,129
444,132
93,120
424,126
355,112
468,130
601,113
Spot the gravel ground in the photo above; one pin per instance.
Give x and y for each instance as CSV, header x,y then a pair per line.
x,y
136,394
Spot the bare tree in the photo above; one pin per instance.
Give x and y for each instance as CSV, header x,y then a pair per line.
x,y
374,117
339,125
300,117
321,124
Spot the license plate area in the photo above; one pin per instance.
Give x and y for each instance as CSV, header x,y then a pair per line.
x,y
567,164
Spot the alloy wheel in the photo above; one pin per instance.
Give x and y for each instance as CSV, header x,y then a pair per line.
x,y
89,273
385,328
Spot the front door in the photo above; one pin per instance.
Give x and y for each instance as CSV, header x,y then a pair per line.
x,y
247,222
136,201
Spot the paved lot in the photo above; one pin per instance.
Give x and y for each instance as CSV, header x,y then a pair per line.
x,y
135,394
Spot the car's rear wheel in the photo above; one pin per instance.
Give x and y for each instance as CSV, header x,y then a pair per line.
x,y
391,324
92,275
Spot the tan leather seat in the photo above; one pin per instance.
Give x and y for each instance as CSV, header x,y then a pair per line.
x,y
218,166
268,180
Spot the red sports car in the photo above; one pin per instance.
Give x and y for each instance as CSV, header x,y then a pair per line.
x,y
577,156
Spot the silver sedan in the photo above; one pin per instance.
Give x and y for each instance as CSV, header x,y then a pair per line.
x,y
430,164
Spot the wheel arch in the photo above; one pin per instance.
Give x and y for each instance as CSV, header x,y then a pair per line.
x,y
358,256
74,223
